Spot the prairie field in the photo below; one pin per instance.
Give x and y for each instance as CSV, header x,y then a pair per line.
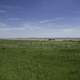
x,y
39,60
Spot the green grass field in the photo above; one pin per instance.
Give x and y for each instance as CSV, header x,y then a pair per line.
x,y
39,60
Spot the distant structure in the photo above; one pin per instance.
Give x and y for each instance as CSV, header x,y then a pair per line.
x,y
51,39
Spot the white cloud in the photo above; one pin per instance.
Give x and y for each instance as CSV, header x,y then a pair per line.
x,y
11,7
2,11
31,27
2,25
14,19
68,30
52,20
45,21
12,29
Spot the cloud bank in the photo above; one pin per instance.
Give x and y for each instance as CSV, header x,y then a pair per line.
x,y
38,30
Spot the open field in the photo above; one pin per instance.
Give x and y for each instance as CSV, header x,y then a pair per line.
x,y
39,60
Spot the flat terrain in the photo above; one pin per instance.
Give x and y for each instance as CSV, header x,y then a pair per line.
x,y
39,60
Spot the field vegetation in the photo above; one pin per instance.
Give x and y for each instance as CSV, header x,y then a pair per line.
x,y
39,60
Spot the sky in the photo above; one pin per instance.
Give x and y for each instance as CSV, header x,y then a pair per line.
x,y
39,18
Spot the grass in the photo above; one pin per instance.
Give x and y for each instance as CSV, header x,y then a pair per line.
x,y
39,60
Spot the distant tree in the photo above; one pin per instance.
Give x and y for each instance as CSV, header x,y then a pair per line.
x,y
51,39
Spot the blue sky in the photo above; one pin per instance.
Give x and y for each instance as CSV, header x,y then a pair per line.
x,y
39,18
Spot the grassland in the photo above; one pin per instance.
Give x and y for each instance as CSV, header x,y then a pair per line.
x,y
39,60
